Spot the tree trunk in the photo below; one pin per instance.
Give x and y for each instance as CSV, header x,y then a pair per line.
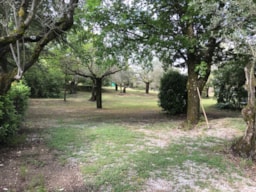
x,y
193,105
147,87
194,82
6,79
93,91
99,93
93,94
72,87
116,86
124,89
207,92
245,146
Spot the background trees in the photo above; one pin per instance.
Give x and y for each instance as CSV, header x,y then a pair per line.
x,y
175,31
26,28
95,64
150,74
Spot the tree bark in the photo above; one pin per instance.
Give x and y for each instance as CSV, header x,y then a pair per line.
x,y
193,105
99,93
245,146
194,82
93,93
147,87
6,79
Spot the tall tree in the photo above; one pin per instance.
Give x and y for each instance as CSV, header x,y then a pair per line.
x,y
27,26
242,39
175,31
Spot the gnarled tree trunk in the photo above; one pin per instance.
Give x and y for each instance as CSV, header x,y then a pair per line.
x,y
245,146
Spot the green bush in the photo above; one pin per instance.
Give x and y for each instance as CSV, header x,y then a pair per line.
x,y
229,86
19,94
173,93
44,82
12,110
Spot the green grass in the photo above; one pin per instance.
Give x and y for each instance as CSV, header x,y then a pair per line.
x,y
237,123
115,156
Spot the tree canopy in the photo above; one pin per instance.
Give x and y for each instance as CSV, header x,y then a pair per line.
x,y
175,31
26,28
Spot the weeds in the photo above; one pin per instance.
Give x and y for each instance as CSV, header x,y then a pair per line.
x,y
23,172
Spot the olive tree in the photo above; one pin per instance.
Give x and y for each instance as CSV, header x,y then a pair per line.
x,y
26,28
243,38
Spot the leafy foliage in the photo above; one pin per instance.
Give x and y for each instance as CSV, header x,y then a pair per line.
x,y
229,85
45,82
173,94
12,110
19,94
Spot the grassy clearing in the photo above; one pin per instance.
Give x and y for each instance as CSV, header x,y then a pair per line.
x,y
130,145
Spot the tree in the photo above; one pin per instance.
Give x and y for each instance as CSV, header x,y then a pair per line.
x,y
26,29
147,77
96,66
173,30
241,20
151,74
123,78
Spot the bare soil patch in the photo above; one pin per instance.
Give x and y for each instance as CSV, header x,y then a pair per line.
x,y
34,167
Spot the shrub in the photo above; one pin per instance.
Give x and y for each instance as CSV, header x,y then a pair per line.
x,y
44,82
12,110
229,86
173,93
19,94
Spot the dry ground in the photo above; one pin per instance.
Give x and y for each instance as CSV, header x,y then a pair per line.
x,y
32,166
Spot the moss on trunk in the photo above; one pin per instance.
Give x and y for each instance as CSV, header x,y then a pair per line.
x,y
6,79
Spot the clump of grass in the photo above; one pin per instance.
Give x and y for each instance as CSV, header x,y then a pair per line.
x,y
237,123
37,184
23,172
